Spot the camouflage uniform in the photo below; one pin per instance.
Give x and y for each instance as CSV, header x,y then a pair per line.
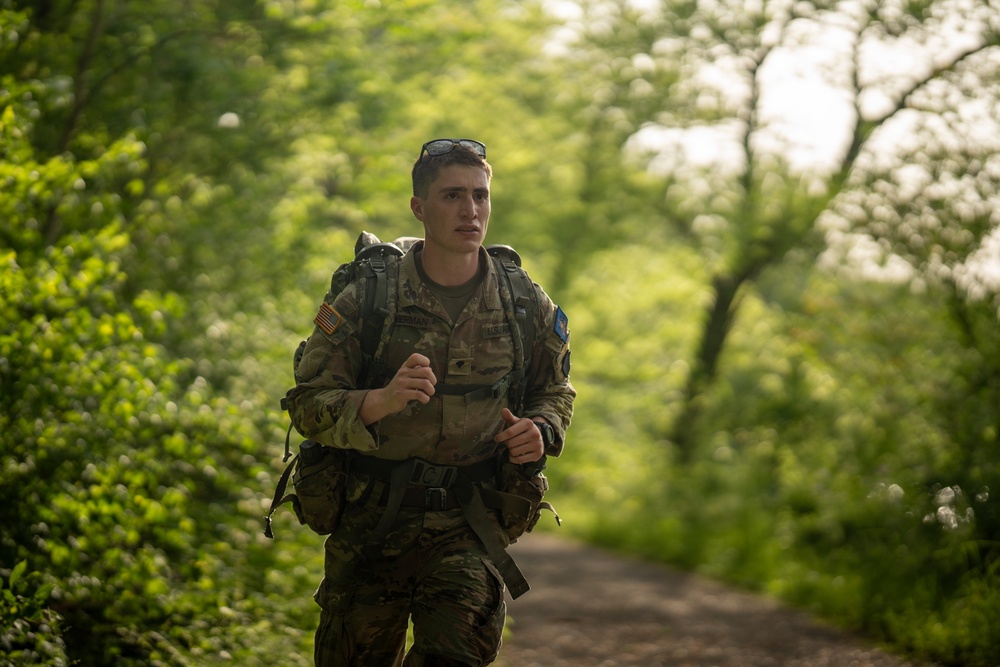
x,y
431,564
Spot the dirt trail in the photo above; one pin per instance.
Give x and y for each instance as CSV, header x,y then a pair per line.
x,y
590,608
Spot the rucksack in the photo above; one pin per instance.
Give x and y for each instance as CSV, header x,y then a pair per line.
x,y
376,264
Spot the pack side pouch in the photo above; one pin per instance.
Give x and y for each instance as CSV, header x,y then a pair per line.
x,y
321,488
531,486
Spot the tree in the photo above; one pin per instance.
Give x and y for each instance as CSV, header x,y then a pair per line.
x,y
745,77
171,175
121,462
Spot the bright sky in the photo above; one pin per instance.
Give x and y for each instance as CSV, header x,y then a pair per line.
x,y
806,114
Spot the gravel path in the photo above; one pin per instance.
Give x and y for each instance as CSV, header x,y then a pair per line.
x,y
590,608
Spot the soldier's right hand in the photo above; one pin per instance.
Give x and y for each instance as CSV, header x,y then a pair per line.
x,y
414,381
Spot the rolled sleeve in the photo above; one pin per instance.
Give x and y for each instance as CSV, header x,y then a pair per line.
x,y
325,404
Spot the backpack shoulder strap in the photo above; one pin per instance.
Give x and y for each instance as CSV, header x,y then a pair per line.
x,y
375,268
379,273
521,304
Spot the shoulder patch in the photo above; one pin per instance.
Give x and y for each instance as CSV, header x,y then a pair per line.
x,y
562,325
328,319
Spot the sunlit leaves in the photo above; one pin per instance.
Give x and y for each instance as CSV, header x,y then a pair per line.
x,y
841,452
173,204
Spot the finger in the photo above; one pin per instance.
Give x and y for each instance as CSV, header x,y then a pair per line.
x,y
420,385
417,360
527,455
419,371
426,386
516,440
508,436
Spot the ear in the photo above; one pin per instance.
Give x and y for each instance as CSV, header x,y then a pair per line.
x,y
417,207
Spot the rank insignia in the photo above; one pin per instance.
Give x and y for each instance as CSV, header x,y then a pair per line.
x,y
562,325
328,319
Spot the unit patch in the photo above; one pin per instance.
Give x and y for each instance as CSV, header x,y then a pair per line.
x,y
562,325
328,319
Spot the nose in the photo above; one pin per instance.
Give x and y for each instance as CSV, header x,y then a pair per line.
x,y
468,208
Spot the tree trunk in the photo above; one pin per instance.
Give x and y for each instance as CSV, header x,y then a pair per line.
x,y
720,316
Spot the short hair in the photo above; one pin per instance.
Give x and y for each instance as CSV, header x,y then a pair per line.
x,y
428,167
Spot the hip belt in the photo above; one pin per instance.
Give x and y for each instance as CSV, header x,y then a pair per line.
x,y
428,499
425,473
416,483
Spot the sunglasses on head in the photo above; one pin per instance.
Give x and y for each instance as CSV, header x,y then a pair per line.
x,y
442,146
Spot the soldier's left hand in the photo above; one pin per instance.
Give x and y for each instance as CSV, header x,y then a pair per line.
x,y
522,437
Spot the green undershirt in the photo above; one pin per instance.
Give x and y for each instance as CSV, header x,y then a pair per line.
x,y
453,299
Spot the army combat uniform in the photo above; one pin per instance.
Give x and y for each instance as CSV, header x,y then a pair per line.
x,y
429,562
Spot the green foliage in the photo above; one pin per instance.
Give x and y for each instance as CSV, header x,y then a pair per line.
x,y
843,462
177,184
29,629
108,444
124,467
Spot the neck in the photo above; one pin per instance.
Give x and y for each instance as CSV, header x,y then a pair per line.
x,y
449,269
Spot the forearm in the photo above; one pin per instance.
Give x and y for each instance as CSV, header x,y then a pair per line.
x,y
331,417
373,407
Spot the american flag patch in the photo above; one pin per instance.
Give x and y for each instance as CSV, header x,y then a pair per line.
x,y
328,319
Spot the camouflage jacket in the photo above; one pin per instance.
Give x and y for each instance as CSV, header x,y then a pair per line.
x,y
477,349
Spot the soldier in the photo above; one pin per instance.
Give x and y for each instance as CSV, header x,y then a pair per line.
x,y
414,541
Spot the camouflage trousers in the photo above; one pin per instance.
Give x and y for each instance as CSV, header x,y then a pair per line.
x,y
430,567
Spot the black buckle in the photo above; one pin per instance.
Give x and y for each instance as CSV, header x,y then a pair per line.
x,y
428,474
499,387
436,499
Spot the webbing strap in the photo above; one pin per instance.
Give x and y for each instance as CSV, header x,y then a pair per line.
x,y
478,392
373,311
280,498
479,521
520,303
384,468
470,392
288,436
505,502
397,486
378,265
473,503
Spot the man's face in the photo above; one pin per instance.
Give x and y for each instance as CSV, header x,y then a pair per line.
x,y
456,211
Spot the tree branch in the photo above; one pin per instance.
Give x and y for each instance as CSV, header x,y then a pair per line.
x,y
80,93
52,226
863,129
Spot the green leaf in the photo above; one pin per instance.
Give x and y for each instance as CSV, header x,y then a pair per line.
x,y
17,573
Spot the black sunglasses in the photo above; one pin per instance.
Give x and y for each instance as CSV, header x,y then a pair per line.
x,y
442,146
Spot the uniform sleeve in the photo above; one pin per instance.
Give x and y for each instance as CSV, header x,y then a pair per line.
x,y
324,405
549,392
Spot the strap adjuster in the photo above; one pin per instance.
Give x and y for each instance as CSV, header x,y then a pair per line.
x,y
436,499
499,388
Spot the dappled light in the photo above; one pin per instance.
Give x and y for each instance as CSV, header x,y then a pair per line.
x,y
777,244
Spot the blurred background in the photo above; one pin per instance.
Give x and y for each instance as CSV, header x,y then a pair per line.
x,y
773,225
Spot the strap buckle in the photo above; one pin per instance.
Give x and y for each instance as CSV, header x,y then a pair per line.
x,y
436,499
499,388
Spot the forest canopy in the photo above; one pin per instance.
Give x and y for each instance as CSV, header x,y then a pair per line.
x,y
773,226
